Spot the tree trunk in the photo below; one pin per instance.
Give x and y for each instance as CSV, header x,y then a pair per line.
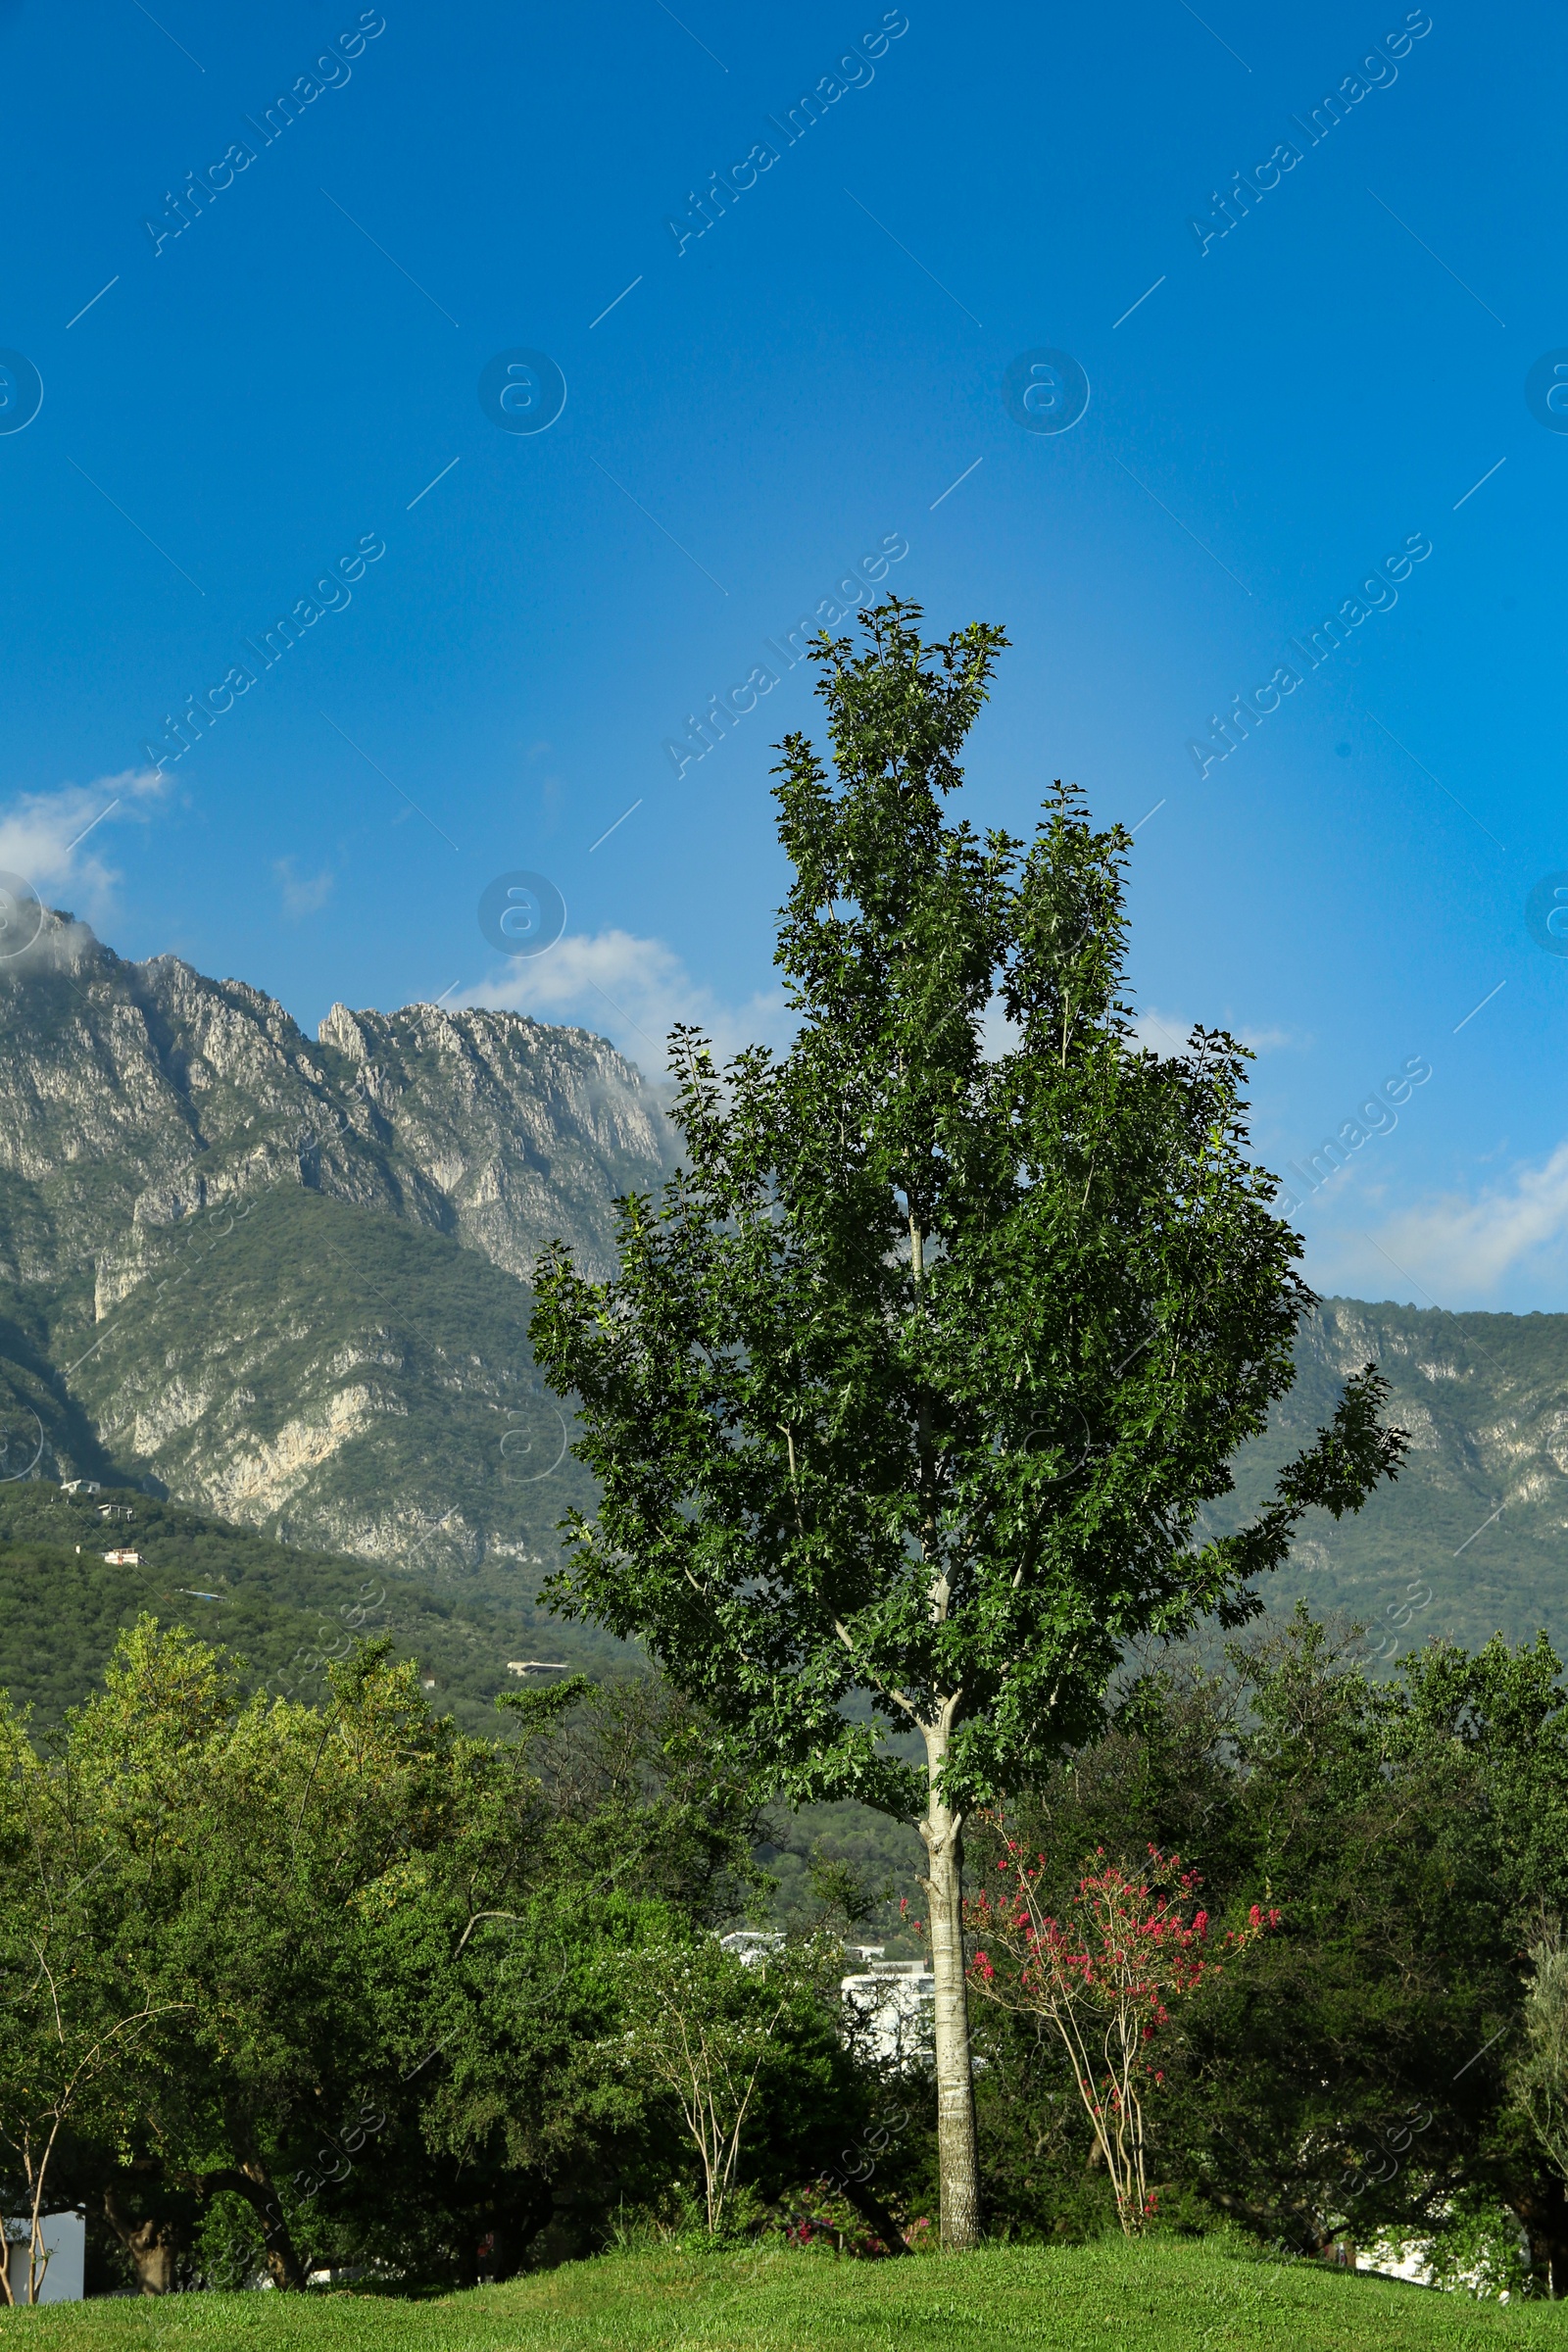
x,y
1544,2211
516,2230
152,2245
251,2181
870,2206
957,2153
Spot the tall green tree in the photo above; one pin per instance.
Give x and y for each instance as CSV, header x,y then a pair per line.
x,y
912,1385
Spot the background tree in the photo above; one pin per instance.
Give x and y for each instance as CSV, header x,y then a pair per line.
x,y
913,1383
81,2011
1541,2072
241,1861
1359,2074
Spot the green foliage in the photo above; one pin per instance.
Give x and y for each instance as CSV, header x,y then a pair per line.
x,y
1355,2075
281,1983
916,1376
800,1845
1540,2079
1481,2255
720,2037
284,1613
1476,2250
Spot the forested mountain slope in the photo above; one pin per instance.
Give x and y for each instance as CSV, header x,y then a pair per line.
x,y
1479,1515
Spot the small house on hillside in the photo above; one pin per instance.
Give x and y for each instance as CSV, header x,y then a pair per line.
x,y
122,1559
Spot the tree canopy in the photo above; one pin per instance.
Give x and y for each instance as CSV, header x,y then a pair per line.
x,y
911,1386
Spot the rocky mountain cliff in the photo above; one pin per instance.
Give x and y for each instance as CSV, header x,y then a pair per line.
x,y
1473,1537
284,1278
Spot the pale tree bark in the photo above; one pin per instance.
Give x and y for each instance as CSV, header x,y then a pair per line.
x,y
957,2150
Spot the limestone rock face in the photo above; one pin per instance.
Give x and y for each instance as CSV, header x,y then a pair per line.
x,y
512,1123
172,1305
140,1094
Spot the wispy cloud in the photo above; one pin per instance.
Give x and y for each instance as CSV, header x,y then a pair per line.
x,y
631,991
1460,1249
303,894
1168,1032
59,838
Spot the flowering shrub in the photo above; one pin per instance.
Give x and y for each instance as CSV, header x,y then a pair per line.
x,y
1104,1978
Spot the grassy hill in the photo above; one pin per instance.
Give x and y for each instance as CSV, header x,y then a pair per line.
x,y
1185,2297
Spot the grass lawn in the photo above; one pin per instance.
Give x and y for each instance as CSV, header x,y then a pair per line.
x,y
1177,2297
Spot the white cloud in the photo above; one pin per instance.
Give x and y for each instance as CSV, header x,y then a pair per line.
x,y
1167,1033
1455,1247
631,991
53,839
303,894
1161,1032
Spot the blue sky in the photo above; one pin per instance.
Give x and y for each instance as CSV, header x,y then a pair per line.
x,y
1285,399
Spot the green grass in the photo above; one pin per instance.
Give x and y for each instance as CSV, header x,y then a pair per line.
x,y
1178,2297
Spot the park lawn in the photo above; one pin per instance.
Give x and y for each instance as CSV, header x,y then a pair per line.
x,y
1181,2296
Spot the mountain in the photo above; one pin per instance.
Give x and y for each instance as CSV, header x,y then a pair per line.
x,y
1472,1538
282,1614
284,1280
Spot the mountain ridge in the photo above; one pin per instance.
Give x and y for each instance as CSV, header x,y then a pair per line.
x,y
284,1280
172,1311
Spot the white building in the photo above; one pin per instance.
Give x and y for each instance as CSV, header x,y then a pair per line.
x,y
125,1559
64,2248
893,2004
752,1946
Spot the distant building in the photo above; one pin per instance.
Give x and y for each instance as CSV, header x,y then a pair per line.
x,y
122,1559
80,1486
892,2005
537,1666
64,2237
750,1946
